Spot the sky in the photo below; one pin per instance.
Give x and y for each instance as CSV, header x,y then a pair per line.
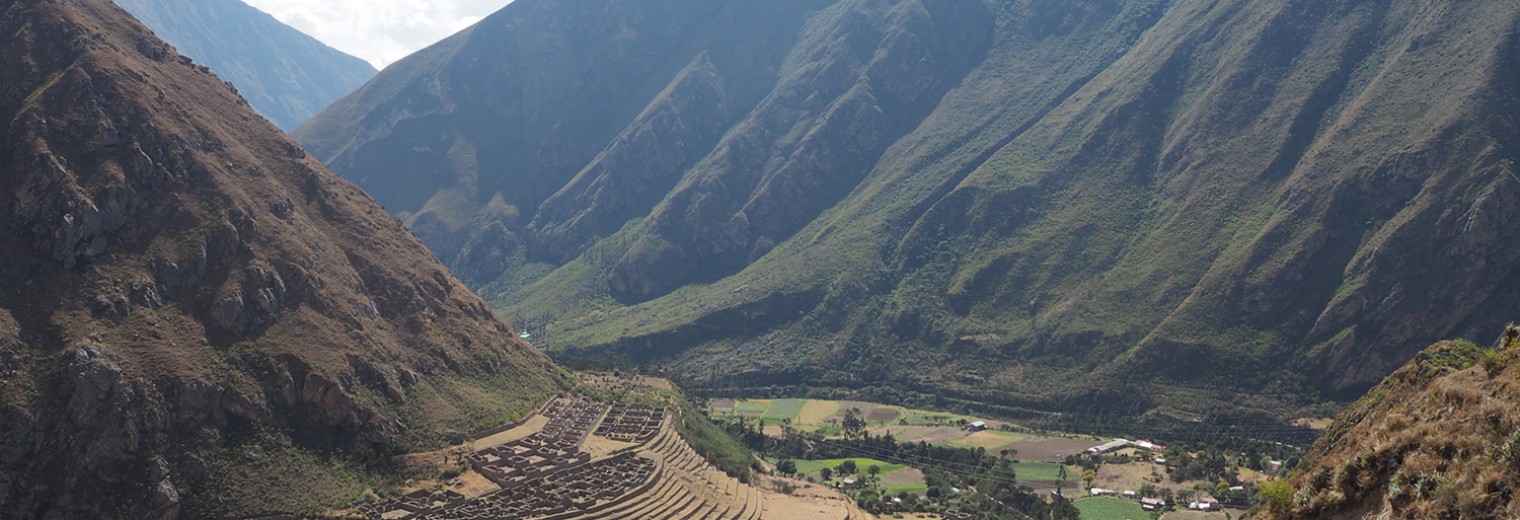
x,y
379,31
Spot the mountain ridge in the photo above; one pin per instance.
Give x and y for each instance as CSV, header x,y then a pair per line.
x,y
293,79
1125,192
198,318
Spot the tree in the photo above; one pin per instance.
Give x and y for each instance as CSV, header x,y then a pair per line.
x,y
1063,509
1060,478
1088,476
873,470
786,467
825,473
848,467
1276,494
853,424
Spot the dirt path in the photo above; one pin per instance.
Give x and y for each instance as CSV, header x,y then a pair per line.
x,y
806,502
530,427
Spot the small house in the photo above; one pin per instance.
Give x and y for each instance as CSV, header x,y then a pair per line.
x,y
976,426
1152,504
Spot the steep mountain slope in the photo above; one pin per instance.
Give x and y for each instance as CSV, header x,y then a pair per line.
x,y
1436,439
1011,202
286,75
196,317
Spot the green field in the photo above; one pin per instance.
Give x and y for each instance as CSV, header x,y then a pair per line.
x,y
916,489
751,407
809,467
925,417
1109,508
1044,471
784,409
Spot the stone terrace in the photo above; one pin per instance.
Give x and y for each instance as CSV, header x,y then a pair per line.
x,y
547,476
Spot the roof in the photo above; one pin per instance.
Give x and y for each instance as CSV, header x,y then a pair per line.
x,y
1111,445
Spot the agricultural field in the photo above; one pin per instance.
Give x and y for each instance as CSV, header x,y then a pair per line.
x,y
823,417
1045,472
1109,508
784,410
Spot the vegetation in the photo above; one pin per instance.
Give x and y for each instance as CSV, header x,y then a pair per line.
x,y
1431,441
712,442
1108,508
266,474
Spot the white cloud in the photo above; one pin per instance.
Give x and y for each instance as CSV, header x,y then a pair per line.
x,y
379,31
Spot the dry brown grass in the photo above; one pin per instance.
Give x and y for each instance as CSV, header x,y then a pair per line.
x,y
1436,439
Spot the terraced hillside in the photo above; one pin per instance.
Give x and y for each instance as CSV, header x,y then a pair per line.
x,y
592,460
1111,205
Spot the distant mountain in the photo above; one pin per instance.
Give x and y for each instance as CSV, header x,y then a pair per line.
x,y
198,319
286,75
1109,206
1436,439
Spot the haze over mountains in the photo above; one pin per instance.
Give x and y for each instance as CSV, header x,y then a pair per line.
x,y
1154,203
286,75
197,318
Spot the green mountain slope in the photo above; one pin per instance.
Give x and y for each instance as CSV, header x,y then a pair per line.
x,y
1137,204
286,75
197,319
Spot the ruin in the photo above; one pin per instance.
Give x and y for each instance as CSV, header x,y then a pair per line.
x,y
547,475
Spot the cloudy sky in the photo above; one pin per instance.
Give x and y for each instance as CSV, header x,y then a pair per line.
x,y
380,31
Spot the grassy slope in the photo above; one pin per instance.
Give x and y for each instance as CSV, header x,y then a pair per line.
x,y
1153,198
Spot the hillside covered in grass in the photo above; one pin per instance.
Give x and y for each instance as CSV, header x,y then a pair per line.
x,y
1437,439
1106,206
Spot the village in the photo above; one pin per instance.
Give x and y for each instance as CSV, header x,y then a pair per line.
x,y
1105,478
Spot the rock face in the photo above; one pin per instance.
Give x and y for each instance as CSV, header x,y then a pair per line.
x,y
1436,439
179,281
1033,197
286,75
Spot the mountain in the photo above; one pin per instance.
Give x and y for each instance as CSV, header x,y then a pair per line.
x,y
198,319
286,75
1436,439
1107,206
